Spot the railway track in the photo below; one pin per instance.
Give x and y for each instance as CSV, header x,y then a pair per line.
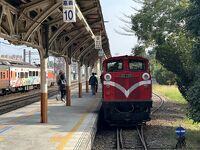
x,y
132,139
138,140
119,137
140,131
161,102
8,105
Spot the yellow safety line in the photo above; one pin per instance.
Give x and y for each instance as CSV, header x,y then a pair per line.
x,y
63,140
1,138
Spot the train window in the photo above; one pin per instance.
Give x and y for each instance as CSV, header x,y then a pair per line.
x,y
30,73
22,75
136,65
33,73
26,74
115,66
3,75
36,73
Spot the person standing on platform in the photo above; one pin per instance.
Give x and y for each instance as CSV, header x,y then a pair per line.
x,y
62,85
94,83
57,79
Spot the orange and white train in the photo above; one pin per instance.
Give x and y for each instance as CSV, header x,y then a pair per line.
x,y
127,90
19,76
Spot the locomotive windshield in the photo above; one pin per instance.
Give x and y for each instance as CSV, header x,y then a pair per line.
x,y
136,65
114,66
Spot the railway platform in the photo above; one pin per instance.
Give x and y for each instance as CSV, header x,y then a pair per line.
x,y
68,128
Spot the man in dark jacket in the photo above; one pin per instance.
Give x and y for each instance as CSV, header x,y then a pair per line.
x,y
94,83
62,86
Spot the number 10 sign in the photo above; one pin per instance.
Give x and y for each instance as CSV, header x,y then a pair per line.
x,y
69,11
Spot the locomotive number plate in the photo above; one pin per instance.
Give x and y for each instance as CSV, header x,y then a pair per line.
x,y
126,75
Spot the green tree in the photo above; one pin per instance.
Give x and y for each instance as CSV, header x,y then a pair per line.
x,y
192,24
139,50
161,24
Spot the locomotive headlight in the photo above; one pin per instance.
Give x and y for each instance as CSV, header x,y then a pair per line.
x,y
107,77
145,76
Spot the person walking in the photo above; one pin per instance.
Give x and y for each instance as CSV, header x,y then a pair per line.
x,y
62,86
94,83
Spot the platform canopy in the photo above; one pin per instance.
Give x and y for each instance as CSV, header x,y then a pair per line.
x,y
27,22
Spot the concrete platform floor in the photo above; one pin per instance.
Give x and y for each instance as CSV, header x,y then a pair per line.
x,y
68,128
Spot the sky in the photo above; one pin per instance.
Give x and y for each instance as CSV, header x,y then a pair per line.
x,y
112,10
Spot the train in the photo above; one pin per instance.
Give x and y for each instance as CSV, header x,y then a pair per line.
x,y
21,76
126,91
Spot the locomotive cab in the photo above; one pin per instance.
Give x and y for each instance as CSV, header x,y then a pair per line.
x,y
127,90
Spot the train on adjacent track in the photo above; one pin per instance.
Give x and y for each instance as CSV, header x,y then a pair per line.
x,y
127,90
20,76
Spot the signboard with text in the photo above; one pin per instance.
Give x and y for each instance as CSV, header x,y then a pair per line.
x,y
98,44
69,11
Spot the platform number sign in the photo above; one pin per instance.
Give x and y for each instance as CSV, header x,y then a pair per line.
x,y
69,11
98,44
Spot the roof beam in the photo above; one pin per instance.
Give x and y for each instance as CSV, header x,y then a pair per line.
x,y
82,18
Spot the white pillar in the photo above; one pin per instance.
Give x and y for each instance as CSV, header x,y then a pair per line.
x,y
98,68
86,79
68,82
79,81
44,89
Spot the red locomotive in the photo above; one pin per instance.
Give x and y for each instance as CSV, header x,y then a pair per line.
x,y
127,90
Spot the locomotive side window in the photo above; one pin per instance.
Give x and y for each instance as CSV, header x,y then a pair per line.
x,y
33,73
36,73
115,66
136,65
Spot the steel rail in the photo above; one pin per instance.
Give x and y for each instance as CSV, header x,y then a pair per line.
x,y
119,139
140,132
161,103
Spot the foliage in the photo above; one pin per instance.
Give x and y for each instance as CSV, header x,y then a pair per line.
x,y
171,92
165,77
194,102
163,25
192,20
192,25
160,25
139,50
161,74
